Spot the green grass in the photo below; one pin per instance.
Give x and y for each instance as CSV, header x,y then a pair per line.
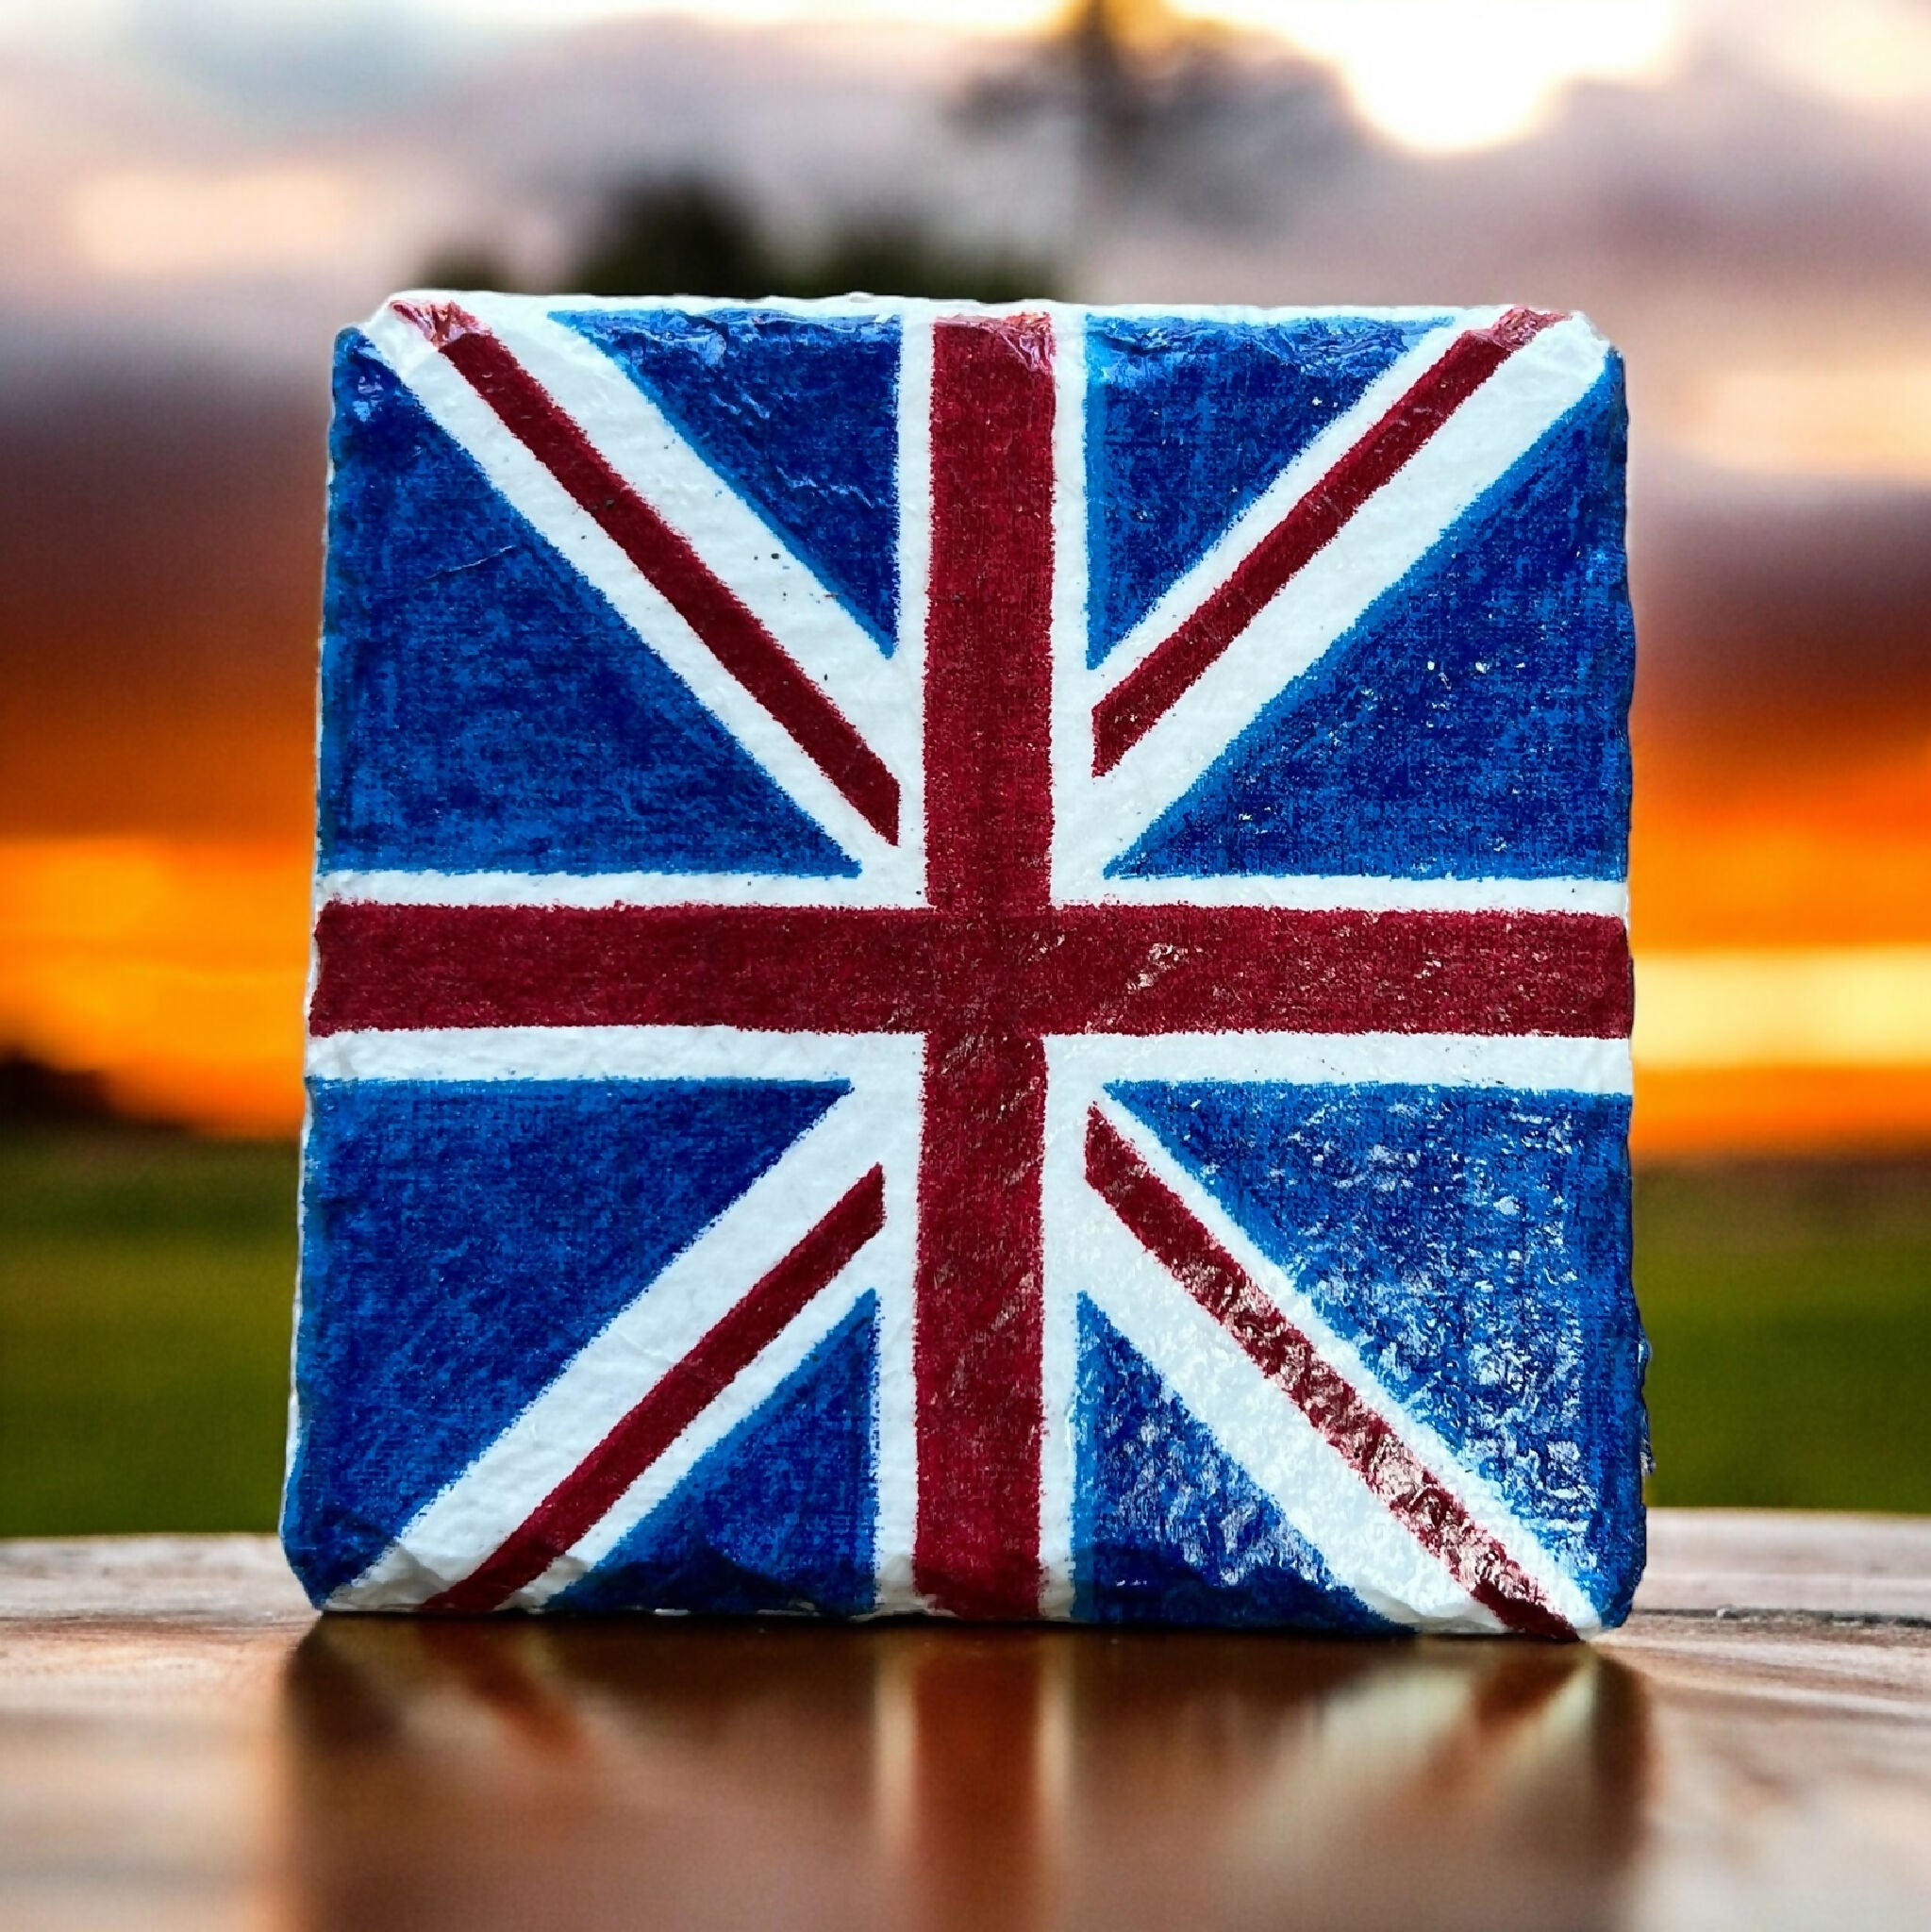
x,y
145,1288
1789,1308
145,1285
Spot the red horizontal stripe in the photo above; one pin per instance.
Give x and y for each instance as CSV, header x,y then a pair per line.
x,y
1096,969
728,628
1157,683
597,1483
1430,1512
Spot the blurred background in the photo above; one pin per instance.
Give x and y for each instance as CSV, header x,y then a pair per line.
x,y
195,193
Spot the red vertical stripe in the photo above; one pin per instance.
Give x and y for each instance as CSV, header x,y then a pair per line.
x,y
1157,683
1431,1513
989,689
980,1316
989,838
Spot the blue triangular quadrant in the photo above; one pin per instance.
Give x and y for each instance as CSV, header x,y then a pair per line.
x,y
1167,1528
1472,1243
780,1515
1471,725
1189,420
461,1241
484,707
798,414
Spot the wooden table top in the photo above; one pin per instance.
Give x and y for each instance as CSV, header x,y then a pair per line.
x,y
183,1742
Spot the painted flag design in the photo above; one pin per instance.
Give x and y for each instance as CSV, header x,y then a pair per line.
x,y
972,961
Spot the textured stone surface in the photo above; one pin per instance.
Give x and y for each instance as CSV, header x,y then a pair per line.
x,y
973,961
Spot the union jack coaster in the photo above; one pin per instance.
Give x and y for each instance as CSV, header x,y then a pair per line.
x,y
973,961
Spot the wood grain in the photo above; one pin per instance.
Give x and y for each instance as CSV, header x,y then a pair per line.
x,y
183,1742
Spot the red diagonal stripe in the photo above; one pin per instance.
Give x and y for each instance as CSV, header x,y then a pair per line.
x,y
728,631
1161,1221
595,1486
1157,683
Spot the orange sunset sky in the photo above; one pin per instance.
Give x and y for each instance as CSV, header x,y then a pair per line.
x,y
196,195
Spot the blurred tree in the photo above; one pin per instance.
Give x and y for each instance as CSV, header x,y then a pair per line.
x,y
675,238
899,257
469,266
692,236
1169,111
1114,44
35,1094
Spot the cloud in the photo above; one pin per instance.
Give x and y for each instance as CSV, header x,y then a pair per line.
x,y
1867,418
1758,246
1803,603
1479,74
143,223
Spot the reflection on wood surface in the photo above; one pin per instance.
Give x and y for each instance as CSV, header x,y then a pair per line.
x,y
182,1746
466,1775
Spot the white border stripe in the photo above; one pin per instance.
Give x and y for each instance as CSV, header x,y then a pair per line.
x,y
613,1052
1309,892
914,591
919,305
1609,898
1074,878
1526,1062
1066,1255
599,890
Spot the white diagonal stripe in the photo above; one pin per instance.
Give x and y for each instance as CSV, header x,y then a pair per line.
x,y
1243,536
1525,1062
1088,1250
1391,532
529,488
611,1373
754,1384
884,1267
627,428
1262,1428
1478,1498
